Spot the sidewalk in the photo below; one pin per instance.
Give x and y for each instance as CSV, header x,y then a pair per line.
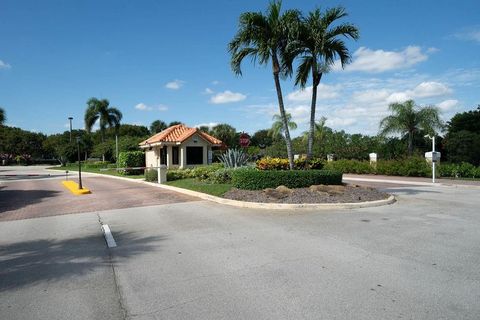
x,y
409,180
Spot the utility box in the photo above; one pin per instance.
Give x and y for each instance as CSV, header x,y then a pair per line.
x,y
373,157
432,156
162,174
330,157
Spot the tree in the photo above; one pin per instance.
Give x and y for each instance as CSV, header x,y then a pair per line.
x,y
226,133
158,126
3,117
261,138
407,118
99,110
174,123
318,46
278,127
265,38
462,141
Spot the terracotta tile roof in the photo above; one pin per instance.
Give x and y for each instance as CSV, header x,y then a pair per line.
x,y
179,133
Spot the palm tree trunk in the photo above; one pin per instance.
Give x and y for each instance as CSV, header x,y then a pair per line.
x,y
410,144
311,133
103,140
288,140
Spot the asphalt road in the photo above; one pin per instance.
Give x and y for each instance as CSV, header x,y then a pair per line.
x,y
415,259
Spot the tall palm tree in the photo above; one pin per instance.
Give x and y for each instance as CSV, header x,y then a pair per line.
x,y
157,126
278,127
99,110
3,117
319,131
408,118
318,45
265,38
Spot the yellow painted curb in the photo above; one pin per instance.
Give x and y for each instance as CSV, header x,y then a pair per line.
x,y
73,187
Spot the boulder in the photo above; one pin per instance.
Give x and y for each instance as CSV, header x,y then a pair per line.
x,y
331,189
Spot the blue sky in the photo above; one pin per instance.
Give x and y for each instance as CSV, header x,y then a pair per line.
x,y
168,60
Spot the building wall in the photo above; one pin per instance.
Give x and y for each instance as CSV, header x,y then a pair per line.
x,y
151,158
193,141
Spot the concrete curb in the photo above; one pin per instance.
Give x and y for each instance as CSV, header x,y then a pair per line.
x,y
413,183
259,205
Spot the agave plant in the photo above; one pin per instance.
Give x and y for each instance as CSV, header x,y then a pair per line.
x,y
234,158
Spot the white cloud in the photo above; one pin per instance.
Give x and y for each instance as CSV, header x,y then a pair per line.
x,y
4,65
427,89
227,97
144,107
370,96
175,84
305,95
208,91
215,82
447,104
340,122
376,61
210,125
469,34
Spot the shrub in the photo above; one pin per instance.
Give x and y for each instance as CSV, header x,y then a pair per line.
x,y
411,167
234,158
268,163
252,179
222,176
151,175
179,174
350,166
130,159
203,173
459,170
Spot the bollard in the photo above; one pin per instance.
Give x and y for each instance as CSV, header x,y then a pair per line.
x,y
162,174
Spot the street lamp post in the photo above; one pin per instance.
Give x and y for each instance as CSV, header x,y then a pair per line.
x,y
79,165
70,119
434,159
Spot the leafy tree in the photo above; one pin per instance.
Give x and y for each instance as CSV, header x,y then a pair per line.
x,y
58,146
158,126
205,129
469,121
265,38
99,110
278,127
174,123
407,118
462,141
226,133
3,117
318,46
130,130
261,138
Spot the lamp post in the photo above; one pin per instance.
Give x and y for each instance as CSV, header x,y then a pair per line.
x,y
79,165
70,119
434,160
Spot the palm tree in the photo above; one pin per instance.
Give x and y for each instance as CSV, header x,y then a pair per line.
x,y
157,126
318,46
319,131
278,127
3,117
408,118
265,38
99,110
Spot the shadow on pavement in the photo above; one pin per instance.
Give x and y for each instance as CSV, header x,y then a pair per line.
x,y
48,260
17,199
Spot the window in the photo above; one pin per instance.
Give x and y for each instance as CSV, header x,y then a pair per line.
x,y
194,155
174,155
163,155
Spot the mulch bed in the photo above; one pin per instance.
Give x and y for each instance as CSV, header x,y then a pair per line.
x,y
347,193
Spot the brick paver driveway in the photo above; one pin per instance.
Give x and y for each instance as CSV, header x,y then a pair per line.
x,y
32,198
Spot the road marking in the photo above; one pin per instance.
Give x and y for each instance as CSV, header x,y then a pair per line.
x,y
108,236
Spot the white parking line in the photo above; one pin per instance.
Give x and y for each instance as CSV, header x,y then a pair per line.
x,y
108,236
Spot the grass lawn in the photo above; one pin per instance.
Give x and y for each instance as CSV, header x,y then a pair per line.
x,y
196,185
111,172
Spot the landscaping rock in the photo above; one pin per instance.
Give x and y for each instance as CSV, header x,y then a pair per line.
x,y
284,190
275,194
331,189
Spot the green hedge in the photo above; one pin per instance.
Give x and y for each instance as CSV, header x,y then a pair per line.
x,y
151,175
252,179
130,159
459,170
412,167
